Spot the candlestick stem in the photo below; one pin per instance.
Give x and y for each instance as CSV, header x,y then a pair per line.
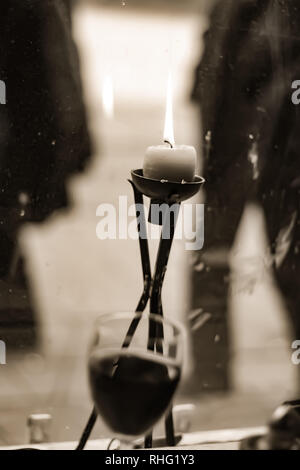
x,y
87,430
169,427
152,290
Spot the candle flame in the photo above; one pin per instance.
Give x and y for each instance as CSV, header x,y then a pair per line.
x,y
169,124
108,101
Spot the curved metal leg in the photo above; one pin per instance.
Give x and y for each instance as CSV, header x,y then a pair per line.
x,y
156,302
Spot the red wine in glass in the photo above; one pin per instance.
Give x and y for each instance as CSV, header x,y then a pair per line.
x,y
134,373
132,392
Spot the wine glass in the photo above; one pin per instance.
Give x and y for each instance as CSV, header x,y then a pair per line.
x,y
134,366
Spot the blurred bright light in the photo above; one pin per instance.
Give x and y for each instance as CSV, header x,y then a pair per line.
x,y
138,50
108,97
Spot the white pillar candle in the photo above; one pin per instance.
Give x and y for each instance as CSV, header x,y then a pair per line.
x,y
176,163
170,162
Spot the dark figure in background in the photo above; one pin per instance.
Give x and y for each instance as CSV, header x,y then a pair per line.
x,y
251,144
43,139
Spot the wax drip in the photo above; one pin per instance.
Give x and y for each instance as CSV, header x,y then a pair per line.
x,y
167,142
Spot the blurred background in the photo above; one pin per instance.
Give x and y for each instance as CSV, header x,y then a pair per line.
x,y
127,49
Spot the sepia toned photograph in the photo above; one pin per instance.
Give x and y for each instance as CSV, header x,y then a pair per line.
x,y
150,228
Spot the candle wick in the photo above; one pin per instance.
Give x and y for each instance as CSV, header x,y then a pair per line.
x,y
167,142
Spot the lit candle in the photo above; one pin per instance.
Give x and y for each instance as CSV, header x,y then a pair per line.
x,y
170,162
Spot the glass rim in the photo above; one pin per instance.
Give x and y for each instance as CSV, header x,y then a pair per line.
x,y
136,314
180,332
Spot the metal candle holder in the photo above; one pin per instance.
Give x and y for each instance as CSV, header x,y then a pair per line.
x,y
161,193
170,194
